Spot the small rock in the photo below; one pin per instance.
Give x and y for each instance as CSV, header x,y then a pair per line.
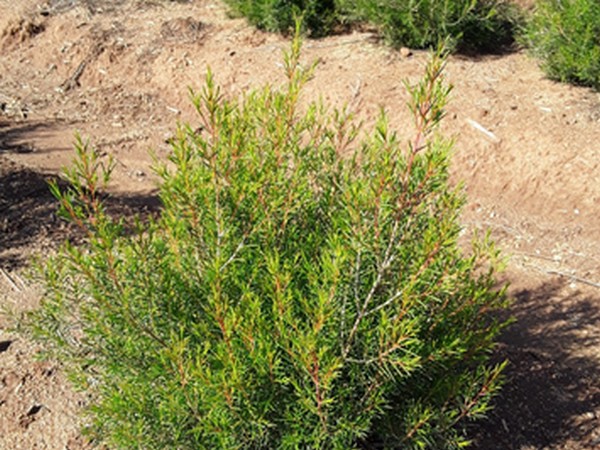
x,y
405,52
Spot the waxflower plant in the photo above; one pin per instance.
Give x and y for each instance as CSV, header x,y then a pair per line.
x,y
302,287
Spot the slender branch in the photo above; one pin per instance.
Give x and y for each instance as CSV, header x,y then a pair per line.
x,y
379,358
357,280
235,253
386,303
485,390
314,374
385,265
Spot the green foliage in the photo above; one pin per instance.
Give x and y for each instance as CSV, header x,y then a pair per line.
x,y
299,290
473,25
318,16
565,35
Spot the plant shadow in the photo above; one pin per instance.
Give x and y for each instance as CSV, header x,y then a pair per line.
x,y
551,394
29,223
19,137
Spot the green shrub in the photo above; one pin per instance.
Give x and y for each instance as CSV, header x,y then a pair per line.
x,y
472,25
565,35
279,15
297,291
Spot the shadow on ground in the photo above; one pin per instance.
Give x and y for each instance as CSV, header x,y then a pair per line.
x,y
18,137
551,396
28,220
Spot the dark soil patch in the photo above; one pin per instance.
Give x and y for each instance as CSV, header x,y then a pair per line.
x,y
551,396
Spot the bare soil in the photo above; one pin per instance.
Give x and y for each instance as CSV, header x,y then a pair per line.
x,y
117,71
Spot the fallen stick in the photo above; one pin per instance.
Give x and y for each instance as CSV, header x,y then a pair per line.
x,y
10,280
483,130
567,275
574,278
73,81
533,255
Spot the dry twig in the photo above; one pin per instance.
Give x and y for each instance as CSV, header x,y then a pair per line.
x,y
10,281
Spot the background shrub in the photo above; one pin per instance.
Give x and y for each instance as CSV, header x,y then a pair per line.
x,y
565,35
319,16
299,290
472,25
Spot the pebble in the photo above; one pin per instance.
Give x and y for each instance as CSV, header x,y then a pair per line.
x,y
405,52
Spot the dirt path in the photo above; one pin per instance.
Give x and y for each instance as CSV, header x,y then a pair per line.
x,y
527,150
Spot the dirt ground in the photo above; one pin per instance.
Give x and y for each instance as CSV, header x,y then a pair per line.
x,y
117,71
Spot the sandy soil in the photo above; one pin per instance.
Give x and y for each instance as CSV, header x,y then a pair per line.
x,y
117,71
